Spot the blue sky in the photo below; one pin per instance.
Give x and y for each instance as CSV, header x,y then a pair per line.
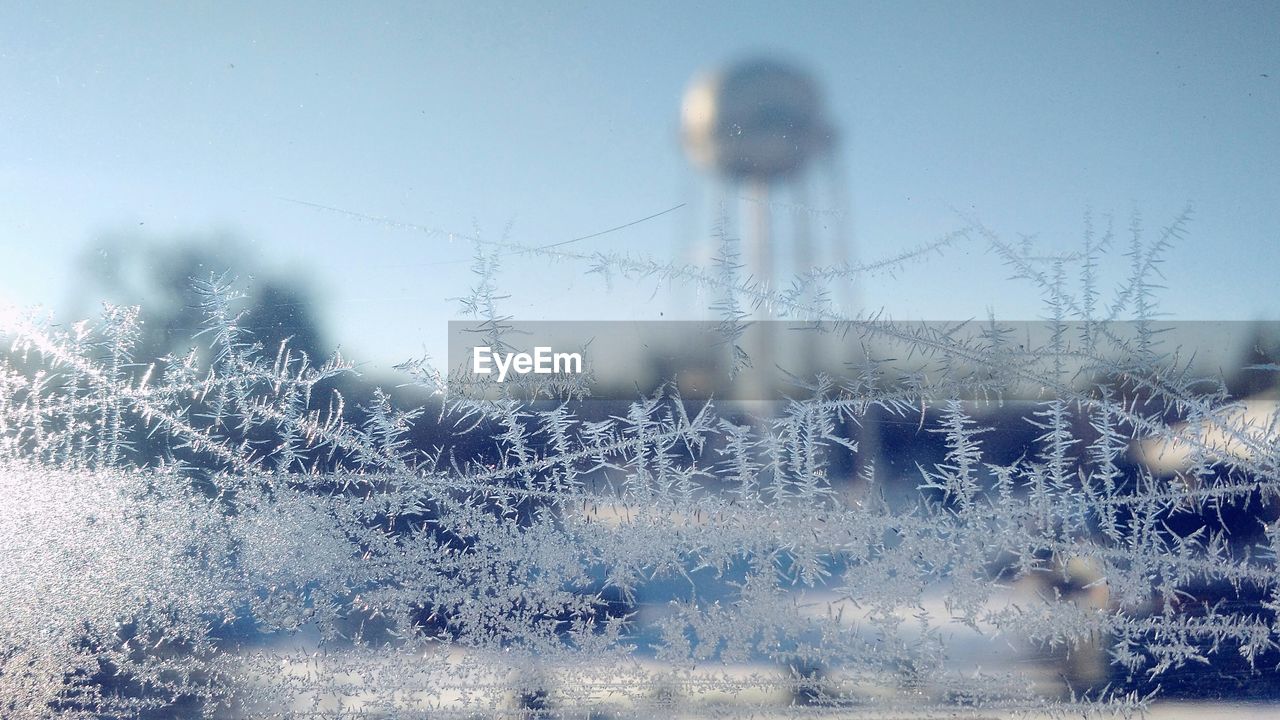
x,y
562,119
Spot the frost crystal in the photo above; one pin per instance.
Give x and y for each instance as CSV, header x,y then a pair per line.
x,y
224,534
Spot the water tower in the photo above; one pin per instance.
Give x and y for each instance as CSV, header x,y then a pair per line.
x,y
759,128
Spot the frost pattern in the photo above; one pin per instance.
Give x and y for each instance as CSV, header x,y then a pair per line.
x,y
219,534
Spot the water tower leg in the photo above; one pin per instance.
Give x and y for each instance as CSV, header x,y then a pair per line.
x,y
762,270
810,357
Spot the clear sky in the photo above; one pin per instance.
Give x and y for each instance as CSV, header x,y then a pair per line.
x,y
562,119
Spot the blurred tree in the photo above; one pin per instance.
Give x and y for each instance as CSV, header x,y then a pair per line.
x,y
157,274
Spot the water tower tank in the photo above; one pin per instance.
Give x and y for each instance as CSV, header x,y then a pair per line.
x,y
757,120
